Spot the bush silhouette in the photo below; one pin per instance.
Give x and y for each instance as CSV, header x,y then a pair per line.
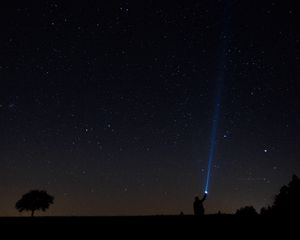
x,y
287,201
34,200
246,211
266,211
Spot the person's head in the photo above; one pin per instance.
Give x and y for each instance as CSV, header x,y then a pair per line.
x,y
196,198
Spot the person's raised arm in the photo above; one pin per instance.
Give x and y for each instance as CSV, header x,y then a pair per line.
x,y
204,197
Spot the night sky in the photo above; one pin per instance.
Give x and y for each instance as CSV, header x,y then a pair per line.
x,y
109,105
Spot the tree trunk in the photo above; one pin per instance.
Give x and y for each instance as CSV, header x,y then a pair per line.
x,y
32,213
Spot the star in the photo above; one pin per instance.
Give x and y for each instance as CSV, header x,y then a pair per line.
x,y
11,105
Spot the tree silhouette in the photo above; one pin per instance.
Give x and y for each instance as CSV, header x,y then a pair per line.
x,y
287,201
246,211
266,211
34,200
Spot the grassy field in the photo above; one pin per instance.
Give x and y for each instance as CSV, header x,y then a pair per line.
x,y
186,221
152,226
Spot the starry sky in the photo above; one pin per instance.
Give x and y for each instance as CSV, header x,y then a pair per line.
x,y
108,105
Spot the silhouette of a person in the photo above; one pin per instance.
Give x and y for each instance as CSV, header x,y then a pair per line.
x,y
198,205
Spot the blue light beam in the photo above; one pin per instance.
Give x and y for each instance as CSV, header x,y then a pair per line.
x,y
214,129
223,69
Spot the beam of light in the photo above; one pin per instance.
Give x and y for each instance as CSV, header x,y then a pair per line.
x,y
222,70
213,136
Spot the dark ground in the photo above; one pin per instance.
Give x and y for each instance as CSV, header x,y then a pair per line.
x,y
152,226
